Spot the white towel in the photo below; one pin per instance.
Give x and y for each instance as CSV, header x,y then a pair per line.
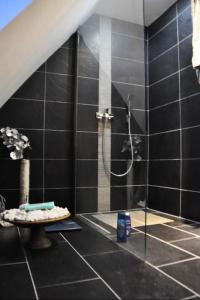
x,y
196,36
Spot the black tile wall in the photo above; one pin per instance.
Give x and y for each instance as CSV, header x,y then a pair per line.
x,y
175,154
35,109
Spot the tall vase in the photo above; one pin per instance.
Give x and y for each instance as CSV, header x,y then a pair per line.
x,y
24,181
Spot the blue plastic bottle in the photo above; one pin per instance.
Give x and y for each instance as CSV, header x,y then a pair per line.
x,y
128,224
121,227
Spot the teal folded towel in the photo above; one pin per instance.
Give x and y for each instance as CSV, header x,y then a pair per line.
x,y
37,206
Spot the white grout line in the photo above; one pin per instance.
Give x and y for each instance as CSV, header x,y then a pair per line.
x,y
165,242
128,59
193,234
116,295
159,270
129,36
67,283
177,262
29,269
175,280
11,264
162,79
102,253
96,224
128,83
185,239
190,297
196,222
169,22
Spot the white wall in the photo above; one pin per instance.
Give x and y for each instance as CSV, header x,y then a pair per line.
x,y
35,35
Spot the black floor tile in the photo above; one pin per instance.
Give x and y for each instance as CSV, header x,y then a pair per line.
x,y
93,289
15,282
157,252
131,278
10,248
165,233
187,273
89,241
57,265
192,245
192,228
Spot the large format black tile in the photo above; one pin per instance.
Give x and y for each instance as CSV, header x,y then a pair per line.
x,y
88,65
190,143
86,118
185,23
86,173
36,195
137,176
164,40
61,197
96,243
165,200
118,142
36,174
127,28
93,289
190,174
165,146
162,21
189,83
124,197
159,118
128,71
192,245
183,4
165,233
10,174
33,88
190,205
120,125
185,49
127,47
164,91
60,87
157,252
59,116
60,264
144,282
120,92
191,227
87,145
10,250
62,61
12,198
88,90
187,273
86,200
22,114
163,66
58,173
58,144
16,282
190,111
36,141
165,173
10,171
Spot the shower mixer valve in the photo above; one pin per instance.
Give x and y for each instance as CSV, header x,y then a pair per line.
x,y
105,115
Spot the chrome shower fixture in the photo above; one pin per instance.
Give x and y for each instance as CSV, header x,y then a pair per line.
x,y
106,115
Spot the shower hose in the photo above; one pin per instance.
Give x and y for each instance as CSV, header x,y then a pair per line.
x,y
109,172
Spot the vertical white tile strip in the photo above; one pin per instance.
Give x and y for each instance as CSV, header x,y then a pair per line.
x,y
104,102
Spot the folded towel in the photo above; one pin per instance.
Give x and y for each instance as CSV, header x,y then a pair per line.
x,y
37,206
196,37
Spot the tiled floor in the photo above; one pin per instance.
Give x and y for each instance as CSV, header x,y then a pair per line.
x,y
90,264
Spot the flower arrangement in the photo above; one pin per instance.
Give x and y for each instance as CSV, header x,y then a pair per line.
x,y
14,141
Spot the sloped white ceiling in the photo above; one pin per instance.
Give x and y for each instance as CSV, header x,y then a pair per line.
x,y
30,39
132,10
